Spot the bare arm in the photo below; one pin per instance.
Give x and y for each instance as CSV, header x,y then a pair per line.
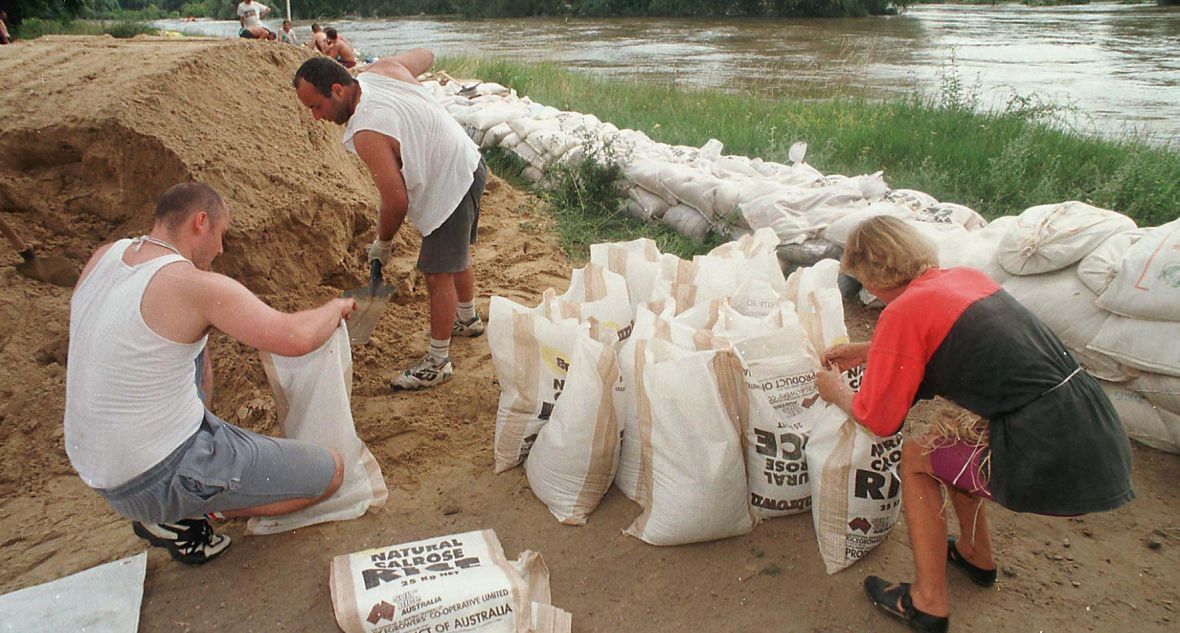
x,y
404,66
385,165
228,306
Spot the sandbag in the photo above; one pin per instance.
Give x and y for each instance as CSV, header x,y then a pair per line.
x,y
1052,236
837,232
460,582
638,261
978,249
598,297
688,222
572,463
1148,282
951,213
1101,266
1152,346
102,599
1143,421
819,304
531,354
855,491
650,205
312,397
697,487
1160,389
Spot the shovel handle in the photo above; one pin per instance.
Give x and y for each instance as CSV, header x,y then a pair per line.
x,y
375,274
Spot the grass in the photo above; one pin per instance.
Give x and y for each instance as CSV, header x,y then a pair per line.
x,y
998,163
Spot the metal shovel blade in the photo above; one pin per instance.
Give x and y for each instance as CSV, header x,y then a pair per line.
x,y
370,304
58,271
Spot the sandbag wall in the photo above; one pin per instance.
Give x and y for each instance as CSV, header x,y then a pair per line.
x,y
690,385
696,191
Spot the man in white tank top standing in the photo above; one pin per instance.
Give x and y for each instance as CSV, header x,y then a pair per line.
x,y
426,169
138,383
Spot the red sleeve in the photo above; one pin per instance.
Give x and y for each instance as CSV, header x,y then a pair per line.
x,y
895,368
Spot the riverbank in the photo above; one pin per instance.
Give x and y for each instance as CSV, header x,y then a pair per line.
x,y
101,126
996,163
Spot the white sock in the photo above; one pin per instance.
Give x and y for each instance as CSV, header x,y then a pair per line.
x,y
467,311
439,350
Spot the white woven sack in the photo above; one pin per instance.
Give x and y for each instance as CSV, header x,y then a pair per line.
x,y
837,232
779,369
631,358
819,304
1148,282
492,115
651,206
459,582
697,486
531,354
1066,305
730,195
1162,390
601,298
916,201
855,492
1143,421
510,140
693,187
951,213
688,222
638,261
1101,266
1053,236
573,461
312,397
494,136
759,252
977,249
648,173
1152,346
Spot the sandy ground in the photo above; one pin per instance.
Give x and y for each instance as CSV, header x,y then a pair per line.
x,y
96,128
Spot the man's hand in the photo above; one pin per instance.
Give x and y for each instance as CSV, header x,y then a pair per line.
x,y
345,306
381,250
846,356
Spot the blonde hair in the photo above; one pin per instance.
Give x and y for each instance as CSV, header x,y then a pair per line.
x,y
887,253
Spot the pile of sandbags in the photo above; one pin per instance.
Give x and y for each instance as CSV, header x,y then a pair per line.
x,y
696,191
691,386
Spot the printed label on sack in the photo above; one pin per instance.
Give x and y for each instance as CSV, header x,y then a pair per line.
x,y
876,492
432,586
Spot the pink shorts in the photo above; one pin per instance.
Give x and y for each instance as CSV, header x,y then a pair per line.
x,y
958,465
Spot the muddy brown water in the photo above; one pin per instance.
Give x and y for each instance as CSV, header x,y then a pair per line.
x,y
1112,68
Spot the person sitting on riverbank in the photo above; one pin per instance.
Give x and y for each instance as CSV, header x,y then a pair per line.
x,y
5,37
139,383
339,48
1043,439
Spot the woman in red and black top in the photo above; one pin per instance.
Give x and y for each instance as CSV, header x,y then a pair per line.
x,y
1053,443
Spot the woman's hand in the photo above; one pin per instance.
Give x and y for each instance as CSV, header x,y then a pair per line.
x,y
846,355
832,388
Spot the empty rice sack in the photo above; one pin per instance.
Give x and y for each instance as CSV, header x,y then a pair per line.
x,y
460,582
312,393
531,353
697,481
573,461
855,491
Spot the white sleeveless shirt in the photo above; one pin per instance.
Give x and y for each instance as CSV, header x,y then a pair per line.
x,y
438,158
131,395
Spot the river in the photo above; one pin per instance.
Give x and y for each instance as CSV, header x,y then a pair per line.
x,y
1105,69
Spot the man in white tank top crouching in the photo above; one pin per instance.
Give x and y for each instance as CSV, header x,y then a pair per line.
x,y
426,169
137,424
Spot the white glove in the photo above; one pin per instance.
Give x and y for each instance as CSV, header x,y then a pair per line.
x,y
381,251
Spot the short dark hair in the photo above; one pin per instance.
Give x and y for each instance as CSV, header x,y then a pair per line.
x,y
182,200
315,27
331,33
322,72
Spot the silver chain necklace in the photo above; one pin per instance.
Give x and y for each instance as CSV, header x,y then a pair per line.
x,y
147,238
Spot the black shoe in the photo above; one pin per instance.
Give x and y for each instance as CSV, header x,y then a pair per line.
x,y
978,575
190,541
880,593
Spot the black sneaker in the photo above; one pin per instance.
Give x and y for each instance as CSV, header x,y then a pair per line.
x,y
190,541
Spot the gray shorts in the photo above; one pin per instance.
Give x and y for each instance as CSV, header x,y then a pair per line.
x,y
448,248
220,468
